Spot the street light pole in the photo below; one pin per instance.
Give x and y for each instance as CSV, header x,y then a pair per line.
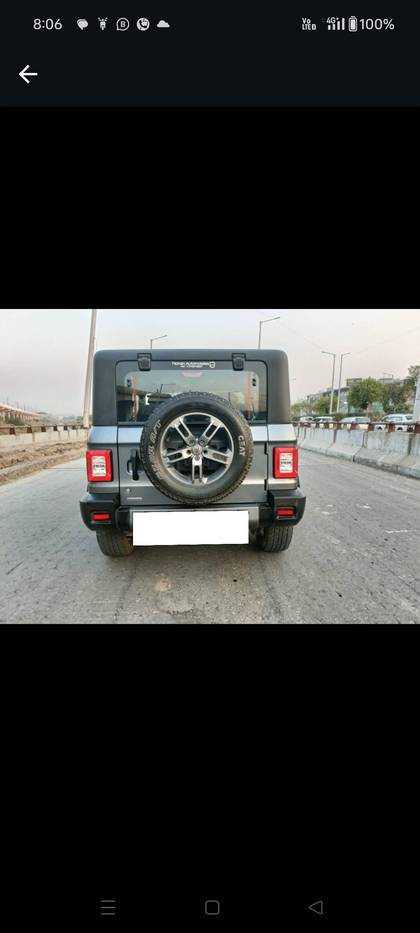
x,y
327,353
157,338
89,371
265,321
339,380
416,412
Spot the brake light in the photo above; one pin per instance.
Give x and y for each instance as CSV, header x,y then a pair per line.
x,y
100,516
285,512
285,463
99,466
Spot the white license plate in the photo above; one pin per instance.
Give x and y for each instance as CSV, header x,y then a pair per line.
x,y
193,527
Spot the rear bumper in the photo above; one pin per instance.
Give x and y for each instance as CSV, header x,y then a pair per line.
x,y
293,498
261,513
99,502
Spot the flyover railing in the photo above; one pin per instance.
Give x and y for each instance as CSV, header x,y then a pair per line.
x,y
409,428
36,428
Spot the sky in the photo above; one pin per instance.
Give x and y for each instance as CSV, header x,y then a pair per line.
x,y
43,354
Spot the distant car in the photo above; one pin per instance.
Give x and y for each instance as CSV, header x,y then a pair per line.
x,y
326,418
305,418
355,419
400,420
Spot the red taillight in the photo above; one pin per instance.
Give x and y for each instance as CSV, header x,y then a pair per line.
x,y
285,512
99,466
285,463
100,516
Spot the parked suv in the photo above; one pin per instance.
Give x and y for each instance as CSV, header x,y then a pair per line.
x,y
400,420
191,447
356,419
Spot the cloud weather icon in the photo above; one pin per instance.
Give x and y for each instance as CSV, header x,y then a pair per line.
x,y
162,24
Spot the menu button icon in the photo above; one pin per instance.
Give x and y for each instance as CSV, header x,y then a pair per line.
x,y
108,907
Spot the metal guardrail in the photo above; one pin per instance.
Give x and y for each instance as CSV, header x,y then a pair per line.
x,y
37,428
413,428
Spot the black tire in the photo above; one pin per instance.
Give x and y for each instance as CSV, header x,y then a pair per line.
x,y
184,404
114,543
274,538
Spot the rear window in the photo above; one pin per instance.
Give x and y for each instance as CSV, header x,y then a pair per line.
x,y
138,393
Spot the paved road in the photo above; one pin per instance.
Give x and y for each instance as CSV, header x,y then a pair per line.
x,y
354,559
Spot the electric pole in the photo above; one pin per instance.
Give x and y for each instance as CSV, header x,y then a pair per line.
x,y
89,371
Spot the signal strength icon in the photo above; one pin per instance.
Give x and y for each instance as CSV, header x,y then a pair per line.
x,y
335,22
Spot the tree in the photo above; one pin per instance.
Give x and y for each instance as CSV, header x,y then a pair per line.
x,y
298,407
322,406
363,393
394,397
412,378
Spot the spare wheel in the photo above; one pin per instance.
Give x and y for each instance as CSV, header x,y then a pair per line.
x,y
196,448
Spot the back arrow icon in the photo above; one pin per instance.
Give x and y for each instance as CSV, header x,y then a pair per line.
x,y
317,907
25,74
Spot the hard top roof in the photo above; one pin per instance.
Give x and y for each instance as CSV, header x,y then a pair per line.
x,y
160,353
104,376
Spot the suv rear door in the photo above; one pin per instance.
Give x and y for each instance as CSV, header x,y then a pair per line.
x,y
138,392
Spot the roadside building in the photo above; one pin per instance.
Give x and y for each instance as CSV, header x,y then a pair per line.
x,y
344,391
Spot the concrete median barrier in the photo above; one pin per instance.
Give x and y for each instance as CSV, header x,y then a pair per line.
x,y
396,451
51,434
12,441
43,437
317,439
410,465
347,444
384,450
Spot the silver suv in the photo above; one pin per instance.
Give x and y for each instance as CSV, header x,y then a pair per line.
x,y
191,447
398,419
